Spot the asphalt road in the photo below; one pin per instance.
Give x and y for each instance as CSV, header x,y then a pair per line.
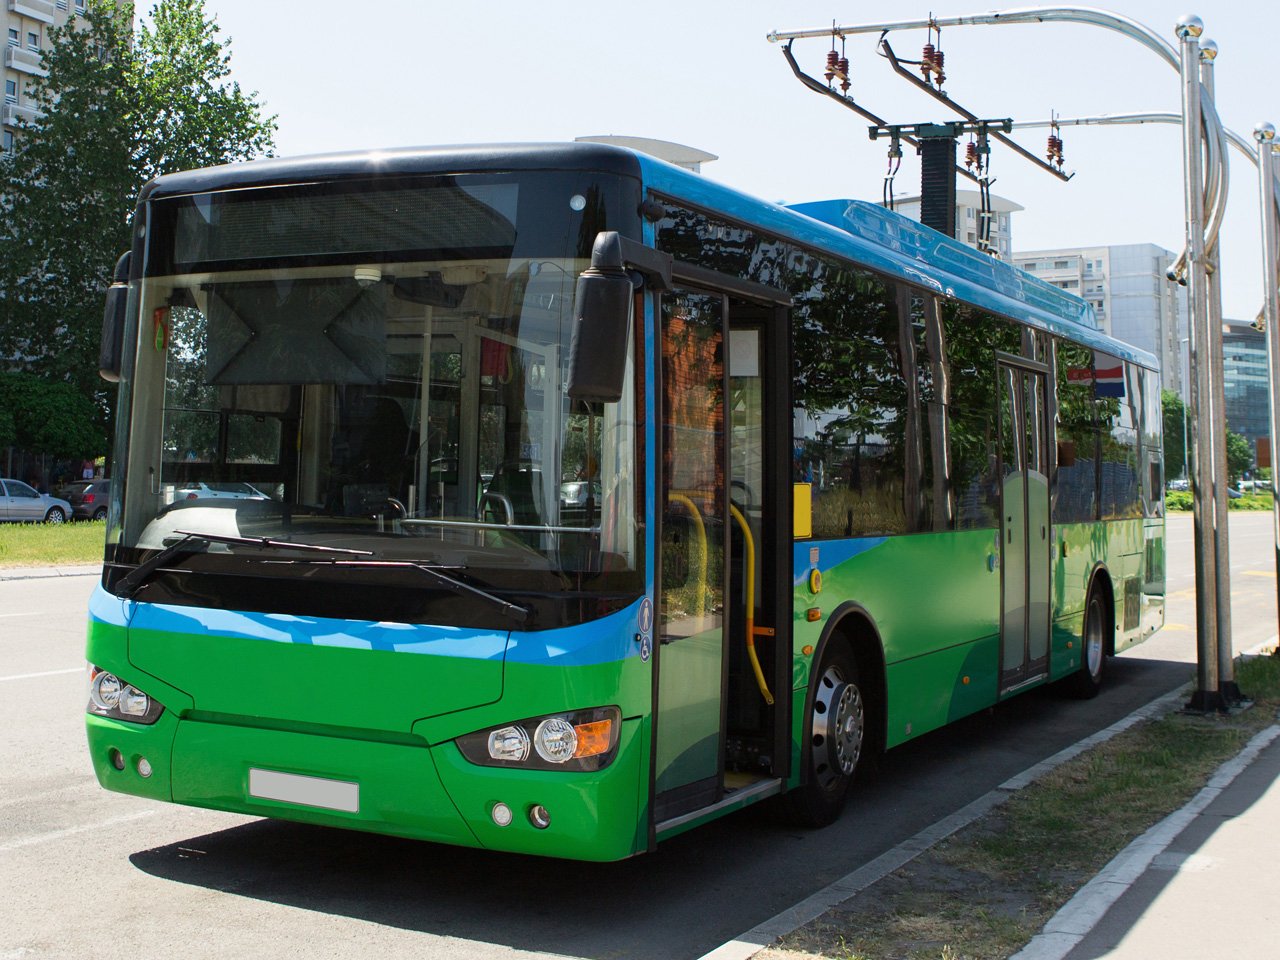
x,y
92,874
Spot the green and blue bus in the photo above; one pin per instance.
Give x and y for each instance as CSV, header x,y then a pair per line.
x,y
555,499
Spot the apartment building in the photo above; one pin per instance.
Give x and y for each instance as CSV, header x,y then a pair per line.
x,y
1130,295
1244,381
28,23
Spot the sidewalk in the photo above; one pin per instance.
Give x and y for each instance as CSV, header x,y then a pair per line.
x,y
1204,880
38,573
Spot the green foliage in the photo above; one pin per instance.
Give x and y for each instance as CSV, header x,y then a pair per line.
x,y
120,108
1175,413
51,417
1239,456
1177,500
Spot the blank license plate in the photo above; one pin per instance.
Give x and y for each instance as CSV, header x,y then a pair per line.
x,y
308,791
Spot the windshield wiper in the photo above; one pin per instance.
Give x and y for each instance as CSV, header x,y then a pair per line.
x,y
192,543
513,610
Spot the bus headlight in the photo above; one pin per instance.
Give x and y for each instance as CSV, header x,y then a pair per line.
x,y
582,740
109,696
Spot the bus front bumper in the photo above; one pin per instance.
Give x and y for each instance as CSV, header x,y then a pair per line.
x,y
426,793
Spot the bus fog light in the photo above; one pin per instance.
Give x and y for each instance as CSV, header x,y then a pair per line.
x,y
133,702
144,767
116,758
539,816
104,690
509,743
556,740
501,814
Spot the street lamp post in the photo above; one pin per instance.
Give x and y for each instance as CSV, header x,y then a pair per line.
x,y
1207,696
1265,135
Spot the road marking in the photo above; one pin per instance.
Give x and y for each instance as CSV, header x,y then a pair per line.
x,y
33,613
46,673
1176,626
72,831
1259,573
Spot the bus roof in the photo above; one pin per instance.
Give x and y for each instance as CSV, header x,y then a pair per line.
x,y
893,244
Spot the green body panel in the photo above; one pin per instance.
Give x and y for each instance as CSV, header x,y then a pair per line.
x,y
308,684
930,691
945,628
594,816
358,715
688,746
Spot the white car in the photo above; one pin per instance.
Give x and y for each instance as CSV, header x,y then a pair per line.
x,y
200,490
22,503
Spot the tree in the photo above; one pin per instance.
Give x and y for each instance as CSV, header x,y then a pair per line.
x,y
53,418
1175,420
1239,456
119,108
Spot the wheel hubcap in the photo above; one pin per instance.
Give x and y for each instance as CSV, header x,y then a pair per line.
x,y
1093,640
838,728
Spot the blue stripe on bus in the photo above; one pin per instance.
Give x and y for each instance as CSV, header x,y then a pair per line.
x,y
831,553
608,639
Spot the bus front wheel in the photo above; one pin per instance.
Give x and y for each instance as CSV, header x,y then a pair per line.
x,y
836,738
1087,681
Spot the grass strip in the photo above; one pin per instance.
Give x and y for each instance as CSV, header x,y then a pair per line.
x,y
985,892
51,545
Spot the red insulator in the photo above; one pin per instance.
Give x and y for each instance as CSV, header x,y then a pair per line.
x,y
833,59
938,59
843,66
926,60
970,154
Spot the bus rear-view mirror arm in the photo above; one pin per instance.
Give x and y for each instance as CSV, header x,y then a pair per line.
x,y
602,311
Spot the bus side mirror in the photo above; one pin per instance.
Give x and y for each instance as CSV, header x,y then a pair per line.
x,y
602,310
602,314
111,351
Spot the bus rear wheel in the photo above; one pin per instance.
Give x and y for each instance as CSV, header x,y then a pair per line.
x,y
835,738
1087,681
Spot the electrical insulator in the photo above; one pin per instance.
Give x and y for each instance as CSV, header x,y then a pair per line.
x,y
1054,149
938,59
843,66
970,154
926,60
832,60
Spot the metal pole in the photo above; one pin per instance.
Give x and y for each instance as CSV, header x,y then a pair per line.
x,y
1218,405
1206,696
1265,135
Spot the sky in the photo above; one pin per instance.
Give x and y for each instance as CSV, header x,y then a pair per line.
x,y
341,75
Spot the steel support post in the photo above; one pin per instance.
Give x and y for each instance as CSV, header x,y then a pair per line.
x,y
1265,135
1207,696
1220,480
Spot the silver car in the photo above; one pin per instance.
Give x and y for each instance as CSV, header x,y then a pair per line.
x,y
20,503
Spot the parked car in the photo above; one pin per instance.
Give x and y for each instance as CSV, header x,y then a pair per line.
x,y
22,503
88,498
199,490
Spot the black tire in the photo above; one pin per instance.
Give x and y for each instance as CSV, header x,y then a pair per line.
x,y
100,513
1087,681
836,738
55,515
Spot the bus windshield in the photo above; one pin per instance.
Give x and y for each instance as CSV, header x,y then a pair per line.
x,y
378,368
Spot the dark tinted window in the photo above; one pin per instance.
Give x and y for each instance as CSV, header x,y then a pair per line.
x,y
1075,497
1117,386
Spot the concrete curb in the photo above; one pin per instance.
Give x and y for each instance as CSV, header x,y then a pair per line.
x,y
41,573
765,934
1081,913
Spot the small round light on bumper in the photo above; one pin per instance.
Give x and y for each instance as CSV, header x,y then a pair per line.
x,y
501,814
539,817
144,767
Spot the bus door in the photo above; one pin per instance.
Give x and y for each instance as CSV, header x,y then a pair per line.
x,y
721,575
1024,516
